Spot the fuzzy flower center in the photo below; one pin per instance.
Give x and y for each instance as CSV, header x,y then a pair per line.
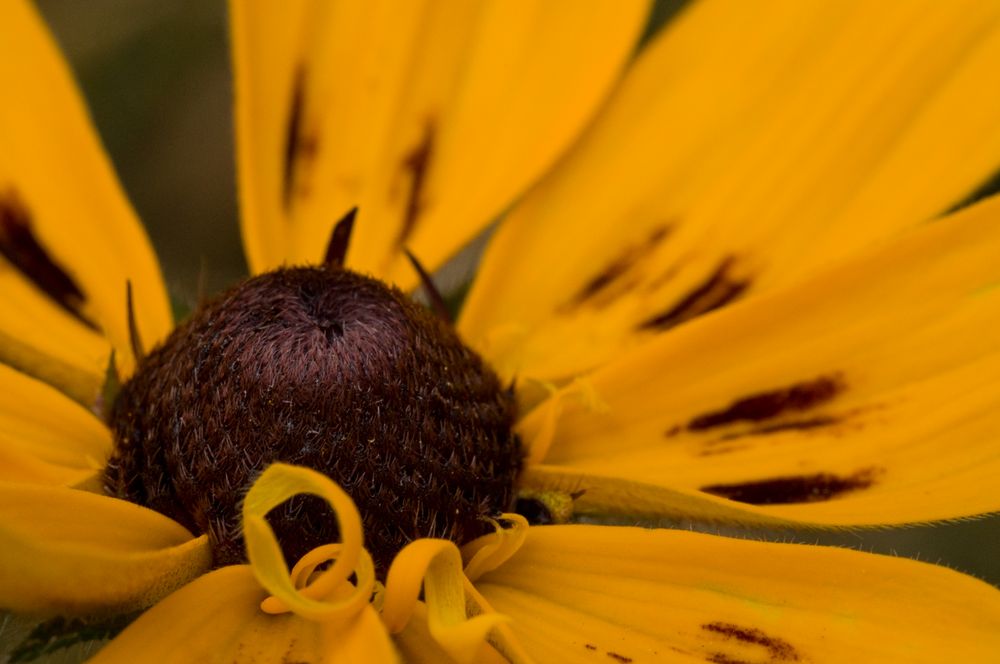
x,y
324,368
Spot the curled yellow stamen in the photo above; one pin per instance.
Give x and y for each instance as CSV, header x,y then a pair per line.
x,y
488,552
330,595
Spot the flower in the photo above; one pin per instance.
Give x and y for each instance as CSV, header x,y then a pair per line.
x,y
773,337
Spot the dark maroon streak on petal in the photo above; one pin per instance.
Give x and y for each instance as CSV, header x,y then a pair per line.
x,y
778,650
766,405
712,450
415,165
619,658
809,424
724,444
615,270
795,489
20,246
299,147
717,291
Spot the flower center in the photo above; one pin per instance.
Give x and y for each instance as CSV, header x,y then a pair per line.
x,y
324,368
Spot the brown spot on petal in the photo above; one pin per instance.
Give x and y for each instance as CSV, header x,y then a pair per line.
x,y
718,290
794,489
612,274
619,658
590,646
415,165
20,246
778,650
766,405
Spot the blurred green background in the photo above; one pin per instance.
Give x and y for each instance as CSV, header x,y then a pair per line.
x,y
156,76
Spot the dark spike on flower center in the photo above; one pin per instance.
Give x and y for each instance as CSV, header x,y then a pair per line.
x,y
327,369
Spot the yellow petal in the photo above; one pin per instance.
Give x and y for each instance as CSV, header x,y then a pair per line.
x,y
592,593
42,340
65,225
748,145
44,436
429,116
867,394
71,552
217,618
16,465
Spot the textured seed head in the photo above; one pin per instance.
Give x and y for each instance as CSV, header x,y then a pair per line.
x,y
328,369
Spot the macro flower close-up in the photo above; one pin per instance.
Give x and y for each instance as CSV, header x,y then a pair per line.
x,y
731,271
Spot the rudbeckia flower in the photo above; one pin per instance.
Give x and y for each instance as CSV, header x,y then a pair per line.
x,y
741,276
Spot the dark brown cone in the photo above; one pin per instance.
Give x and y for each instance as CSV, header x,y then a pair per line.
x,y
327,369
